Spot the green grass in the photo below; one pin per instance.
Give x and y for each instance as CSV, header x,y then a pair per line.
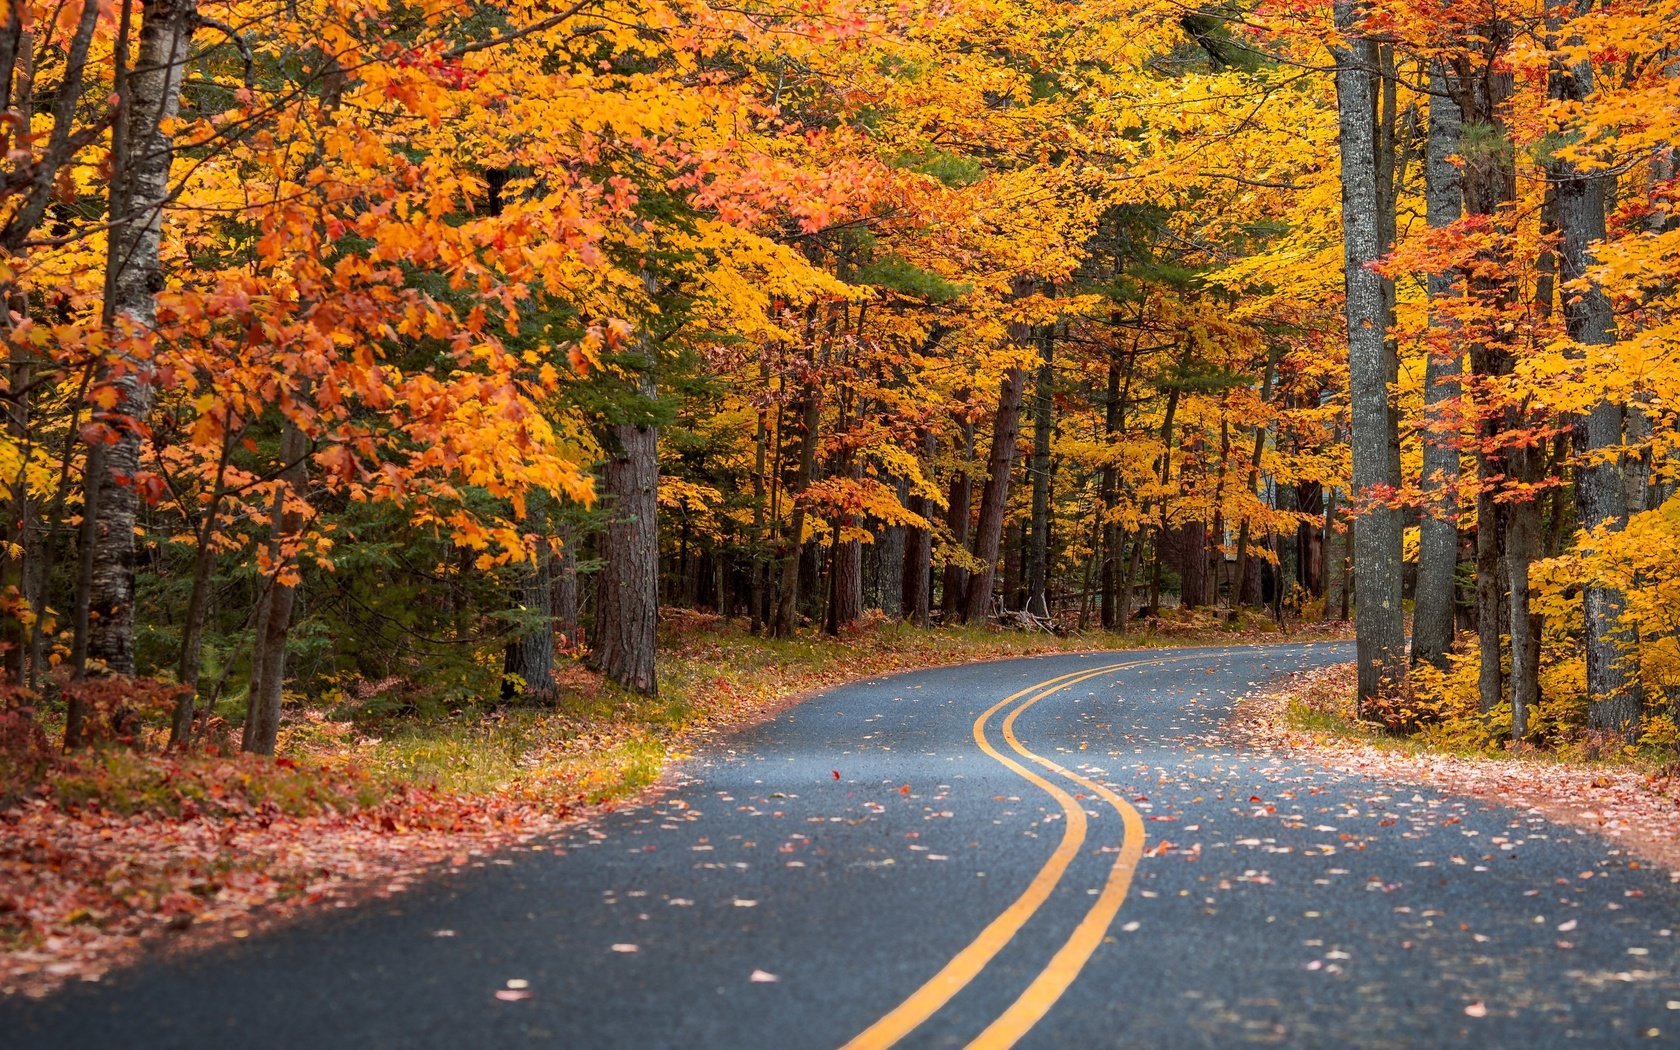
x,y
594,743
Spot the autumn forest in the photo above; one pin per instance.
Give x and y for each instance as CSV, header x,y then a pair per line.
x,y
440,343
468,402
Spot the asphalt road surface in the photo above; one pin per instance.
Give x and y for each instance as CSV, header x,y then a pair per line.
x,y
1054,852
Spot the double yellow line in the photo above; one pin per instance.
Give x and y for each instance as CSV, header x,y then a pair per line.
x,y
1066,964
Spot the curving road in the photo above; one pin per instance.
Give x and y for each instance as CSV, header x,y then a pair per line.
x,y
1051,852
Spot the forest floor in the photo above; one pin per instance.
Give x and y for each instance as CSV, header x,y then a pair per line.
x,y
1628,795
113,852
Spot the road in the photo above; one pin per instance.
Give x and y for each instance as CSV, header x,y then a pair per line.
x,y
1051,852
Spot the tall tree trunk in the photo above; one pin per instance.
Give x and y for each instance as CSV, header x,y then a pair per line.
x,y
277,600
1240,585
784,619
890,547
1108,495
1038,548
1600,481
958,506
1380,633
528,663
139,190
757,582
627,627
994,498
917,580
845,600
1433,613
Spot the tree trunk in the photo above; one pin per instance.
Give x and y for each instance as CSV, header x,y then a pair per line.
x,y
757,582
1522,547
626,629
785,618
1190,547
1380,636
959,504
918,556
994,498
1433,613
845,600
1038,547
1240,585
1108,494
1600,482
139,191
278,598
528,663
890,547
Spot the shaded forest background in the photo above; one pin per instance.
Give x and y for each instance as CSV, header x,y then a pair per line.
x,y
396,357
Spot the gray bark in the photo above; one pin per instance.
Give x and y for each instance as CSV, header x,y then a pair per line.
x,y
1108,492
889,557
784,618
139,192
958,505
1433,612
1600,484
917,578
1379,625
1240,586
994,498
1038,547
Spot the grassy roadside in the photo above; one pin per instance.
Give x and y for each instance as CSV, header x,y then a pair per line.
x,y
598,743
110,852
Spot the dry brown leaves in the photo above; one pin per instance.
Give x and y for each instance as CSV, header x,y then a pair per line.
x,y
82,891
1637,808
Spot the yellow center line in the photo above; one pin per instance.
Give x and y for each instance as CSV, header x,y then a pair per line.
x,y
1065,966
967,963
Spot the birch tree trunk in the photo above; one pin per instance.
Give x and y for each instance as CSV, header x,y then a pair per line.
x,y
135,275
1379,628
